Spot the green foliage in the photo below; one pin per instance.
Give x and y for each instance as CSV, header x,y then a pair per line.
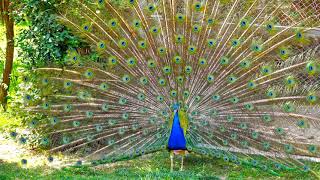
x,y
15,81
41,40
45,40
8,122
11,119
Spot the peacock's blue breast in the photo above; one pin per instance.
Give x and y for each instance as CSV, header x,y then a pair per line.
x,y
177,140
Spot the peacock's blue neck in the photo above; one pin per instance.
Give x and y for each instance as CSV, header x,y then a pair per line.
x,y
177,140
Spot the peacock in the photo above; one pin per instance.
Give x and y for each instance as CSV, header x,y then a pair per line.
x,y
232,79
177,140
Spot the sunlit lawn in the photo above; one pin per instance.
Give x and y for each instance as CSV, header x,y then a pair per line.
x,y
151,166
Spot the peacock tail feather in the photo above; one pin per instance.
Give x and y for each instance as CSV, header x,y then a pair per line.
x,y
246,74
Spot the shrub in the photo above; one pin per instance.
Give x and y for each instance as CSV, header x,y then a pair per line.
x,y
44,41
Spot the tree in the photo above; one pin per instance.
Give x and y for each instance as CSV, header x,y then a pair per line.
x,y
6,10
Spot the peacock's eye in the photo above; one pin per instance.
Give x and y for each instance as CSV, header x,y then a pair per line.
x,y
299,35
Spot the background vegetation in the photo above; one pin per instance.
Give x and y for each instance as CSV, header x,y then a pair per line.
x,y
44,40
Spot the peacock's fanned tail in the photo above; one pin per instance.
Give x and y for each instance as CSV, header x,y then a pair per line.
x,y
245,71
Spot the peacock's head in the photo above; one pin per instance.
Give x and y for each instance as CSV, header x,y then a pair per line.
x,y
176,106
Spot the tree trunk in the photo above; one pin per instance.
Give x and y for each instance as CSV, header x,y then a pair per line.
x,y
9,23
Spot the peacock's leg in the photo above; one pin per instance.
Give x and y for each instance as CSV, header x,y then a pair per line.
x,y
171,157
181,168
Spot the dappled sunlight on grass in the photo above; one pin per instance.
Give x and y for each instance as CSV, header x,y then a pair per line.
x,y
11,151
150,166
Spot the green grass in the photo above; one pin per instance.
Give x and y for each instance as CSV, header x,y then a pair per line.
x,y
152,166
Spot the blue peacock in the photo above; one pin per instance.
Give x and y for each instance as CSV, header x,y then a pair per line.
x,y
233,79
